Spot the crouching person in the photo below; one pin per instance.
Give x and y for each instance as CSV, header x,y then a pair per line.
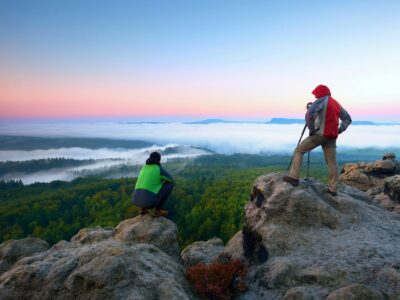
x,y
153,187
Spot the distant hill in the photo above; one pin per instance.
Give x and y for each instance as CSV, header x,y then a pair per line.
x,y
34,143
145,122
279,121
285,121
301,121
362,123
212,121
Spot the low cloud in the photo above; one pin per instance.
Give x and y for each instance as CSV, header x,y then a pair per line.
x,y
108,161
65,174
221,138
134,156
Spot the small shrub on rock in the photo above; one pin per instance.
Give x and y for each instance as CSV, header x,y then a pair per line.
x,y
218,280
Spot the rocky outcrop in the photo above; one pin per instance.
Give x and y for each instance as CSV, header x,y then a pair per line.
x,y
202,252
11,251
296,242
378,179
137,260
302,243
388,196
161,233
355,292
370,175
392,188
356,175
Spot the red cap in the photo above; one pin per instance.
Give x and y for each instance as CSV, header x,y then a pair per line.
x,y
321,91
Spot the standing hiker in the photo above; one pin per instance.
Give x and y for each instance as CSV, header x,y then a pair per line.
x,y
153,187
322,119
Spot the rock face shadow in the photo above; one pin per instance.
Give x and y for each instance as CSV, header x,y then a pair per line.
x,y
253,249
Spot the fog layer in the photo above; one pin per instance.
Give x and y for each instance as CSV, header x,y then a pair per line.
x,y
135,156
131,157
221,138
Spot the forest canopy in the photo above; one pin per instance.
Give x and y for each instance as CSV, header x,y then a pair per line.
x,y
207,201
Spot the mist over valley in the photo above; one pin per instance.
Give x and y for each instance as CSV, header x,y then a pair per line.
x,y
64,151
223,138
49,163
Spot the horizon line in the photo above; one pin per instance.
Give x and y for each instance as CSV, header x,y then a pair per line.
x,y
173,118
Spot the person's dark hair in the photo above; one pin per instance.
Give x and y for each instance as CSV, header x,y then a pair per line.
x,y
154,159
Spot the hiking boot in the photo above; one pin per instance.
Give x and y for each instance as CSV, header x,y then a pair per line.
x,y
292,181
143,211
334,194
160,213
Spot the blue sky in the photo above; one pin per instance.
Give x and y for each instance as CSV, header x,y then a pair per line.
x,y
202,58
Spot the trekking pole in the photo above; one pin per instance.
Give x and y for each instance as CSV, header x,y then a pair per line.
x,y
309,104
301,136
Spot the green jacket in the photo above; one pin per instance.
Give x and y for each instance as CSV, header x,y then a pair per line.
x,y
148,184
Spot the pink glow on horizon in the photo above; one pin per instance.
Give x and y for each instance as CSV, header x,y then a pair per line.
x,y
30,96
25,97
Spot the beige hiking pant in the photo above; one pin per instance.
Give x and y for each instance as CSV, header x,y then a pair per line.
x,y
329,148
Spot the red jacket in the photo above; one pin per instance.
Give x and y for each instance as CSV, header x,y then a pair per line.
x,y
324,114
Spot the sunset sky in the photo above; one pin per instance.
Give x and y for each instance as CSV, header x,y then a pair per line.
x,y
197,59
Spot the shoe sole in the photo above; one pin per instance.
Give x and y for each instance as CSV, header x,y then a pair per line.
x,y
291,181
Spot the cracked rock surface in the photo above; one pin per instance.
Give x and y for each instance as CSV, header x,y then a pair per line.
x,y
307,244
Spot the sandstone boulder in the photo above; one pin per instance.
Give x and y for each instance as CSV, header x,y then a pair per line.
x,y
159,232
383,167
392,188
358,176
304,293
386,202
13,250
126,263
387,280
90,235
355,292
202,252
377,179
316,244
234,248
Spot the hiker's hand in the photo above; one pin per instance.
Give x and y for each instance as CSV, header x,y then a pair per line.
x,y
312,132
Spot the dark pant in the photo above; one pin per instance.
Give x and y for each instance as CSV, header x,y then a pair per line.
x,y
163,194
